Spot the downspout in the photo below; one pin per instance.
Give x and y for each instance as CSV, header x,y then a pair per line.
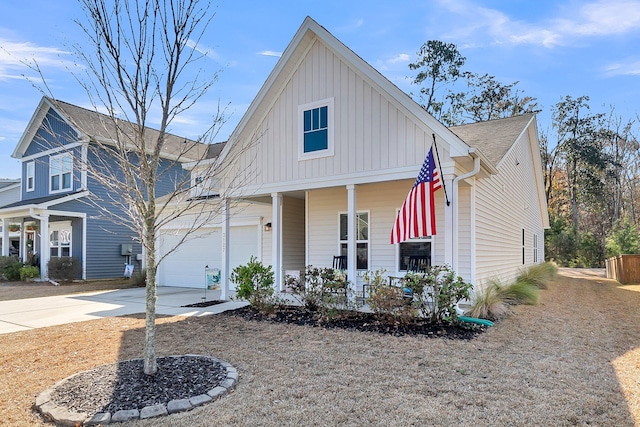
x,y
476,169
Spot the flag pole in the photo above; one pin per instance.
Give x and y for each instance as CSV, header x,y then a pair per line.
x,y
446,196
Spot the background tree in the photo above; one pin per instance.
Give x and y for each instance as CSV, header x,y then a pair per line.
x,y
438,67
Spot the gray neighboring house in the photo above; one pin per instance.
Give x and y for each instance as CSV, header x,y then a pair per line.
x,y
56,210
10,193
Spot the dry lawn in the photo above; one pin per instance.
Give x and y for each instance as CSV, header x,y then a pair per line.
x,y
572,360
21,290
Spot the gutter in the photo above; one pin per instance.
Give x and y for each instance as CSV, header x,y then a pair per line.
x,y
454,197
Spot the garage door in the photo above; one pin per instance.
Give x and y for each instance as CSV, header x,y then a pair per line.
x,y
185,267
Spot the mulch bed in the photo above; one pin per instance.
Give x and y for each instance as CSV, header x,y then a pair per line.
x,y
124,385
360,321
204,304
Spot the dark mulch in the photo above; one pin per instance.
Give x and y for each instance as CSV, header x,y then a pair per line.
x,y
204,303
360,321
124,385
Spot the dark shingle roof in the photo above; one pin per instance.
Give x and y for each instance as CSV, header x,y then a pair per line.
x,y
38,200
102,127
494,137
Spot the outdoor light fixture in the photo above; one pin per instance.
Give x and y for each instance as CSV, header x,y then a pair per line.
x,y
267,227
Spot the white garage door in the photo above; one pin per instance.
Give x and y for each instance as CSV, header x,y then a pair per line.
x,y
185,267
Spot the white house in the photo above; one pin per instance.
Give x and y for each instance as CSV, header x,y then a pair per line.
x,y
325,155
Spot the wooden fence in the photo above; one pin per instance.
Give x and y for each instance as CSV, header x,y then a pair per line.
x,y
624,268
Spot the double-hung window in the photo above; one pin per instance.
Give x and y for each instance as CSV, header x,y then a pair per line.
x,y
362,238
30,181
60,172
316,130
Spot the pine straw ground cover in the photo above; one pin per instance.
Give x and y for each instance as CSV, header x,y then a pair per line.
x,y
572,360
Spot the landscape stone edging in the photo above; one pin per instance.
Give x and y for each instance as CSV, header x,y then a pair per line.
x,y
62,416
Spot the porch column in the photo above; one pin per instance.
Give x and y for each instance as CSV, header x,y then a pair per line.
x,y
448,220
276,242
45,254
352,252
5,237
224,268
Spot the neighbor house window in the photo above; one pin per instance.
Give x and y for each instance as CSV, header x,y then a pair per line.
x,y
60,239
415,254
60,172
523,246
535,248
316,129
362,238
30,176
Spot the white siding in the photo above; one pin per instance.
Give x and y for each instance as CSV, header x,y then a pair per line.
x,y
382,201
371,132
507,203
9,195
465,229
293,233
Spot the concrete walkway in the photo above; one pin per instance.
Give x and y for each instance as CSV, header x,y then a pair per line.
x,y
25,314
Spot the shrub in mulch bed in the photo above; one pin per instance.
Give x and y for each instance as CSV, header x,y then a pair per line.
x,y
360,321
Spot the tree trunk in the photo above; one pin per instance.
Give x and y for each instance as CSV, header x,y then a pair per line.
x,y
150,362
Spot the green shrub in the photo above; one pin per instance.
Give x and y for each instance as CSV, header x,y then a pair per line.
x,y
540,275
254,283
10,268
437,292
29,272
64,268
324,291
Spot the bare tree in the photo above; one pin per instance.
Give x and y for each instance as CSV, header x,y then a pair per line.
x,y
141,70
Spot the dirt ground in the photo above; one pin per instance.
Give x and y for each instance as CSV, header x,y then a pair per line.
x,y
574,359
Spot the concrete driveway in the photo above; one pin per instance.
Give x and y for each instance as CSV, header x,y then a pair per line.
x,y
25,314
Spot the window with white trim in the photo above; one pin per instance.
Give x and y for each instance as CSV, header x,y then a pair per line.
x,y
316,129
60,172
362,238
30,178
60,239
415,254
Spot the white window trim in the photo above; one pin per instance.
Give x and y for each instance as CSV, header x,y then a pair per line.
x,y
368,241
330,130
30,165
417,240
58,226
60,190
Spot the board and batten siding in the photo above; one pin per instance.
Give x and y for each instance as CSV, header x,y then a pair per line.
x,y
293,241
381,200
506,204
372,132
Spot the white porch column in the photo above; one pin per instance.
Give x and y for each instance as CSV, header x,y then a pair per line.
x,y
224,268
5,237
276,242
352,271
449,220
45,253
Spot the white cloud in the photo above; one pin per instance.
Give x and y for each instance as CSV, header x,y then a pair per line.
x,y
401,57
629,67
203,49
14,57
594,19
271,53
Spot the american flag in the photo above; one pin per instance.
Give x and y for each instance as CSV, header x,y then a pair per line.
x,y
417,216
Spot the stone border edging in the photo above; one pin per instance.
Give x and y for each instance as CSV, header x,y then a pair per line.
x,y
63,416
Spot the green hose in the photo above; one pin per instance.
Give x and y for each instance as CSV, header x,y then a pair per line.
x,y
483,322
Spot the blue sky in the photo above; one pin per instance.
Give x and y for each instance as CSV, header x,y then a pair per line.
x,y
553,48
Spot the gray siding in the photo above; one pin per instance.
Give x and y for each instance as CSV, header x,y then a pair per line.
x,y
41,178
53,133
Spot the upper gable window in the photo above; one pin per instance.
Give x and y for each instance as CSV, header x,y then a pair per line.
x,y
60,172
316,129
30,176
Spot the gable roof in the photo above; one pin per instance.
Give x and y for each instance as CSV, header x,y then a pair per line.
x,y
494,137
99,127
295,52
6,184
